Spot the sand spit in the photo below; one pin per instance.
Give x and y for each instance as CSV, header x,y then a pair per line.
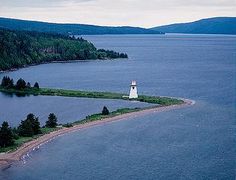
x,y
6,159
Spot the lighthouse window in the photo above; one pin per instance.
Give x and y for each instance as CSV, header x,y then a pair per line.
x,y
133,87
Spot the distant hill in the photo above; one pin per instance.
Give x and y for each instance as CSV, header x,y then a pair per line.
x,y
218,25
78,29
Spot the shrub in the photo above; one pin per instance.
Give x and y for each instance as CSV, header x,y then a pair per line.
x,y
68,125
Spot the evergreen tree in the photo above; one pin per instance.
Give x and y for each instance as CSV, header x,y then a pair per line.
x,y
20,84
36,85
52,121
25,129
36,126
30,126
28,85
35,123
105,111
10,84
6,135
7,82
4,81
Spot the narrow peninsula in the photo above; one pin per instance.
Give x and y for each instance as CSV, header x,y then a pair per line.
x,y
23,145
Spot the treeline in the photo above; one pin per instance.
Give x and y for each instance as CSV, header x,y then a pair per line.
x,y
103,54
8,83
27,128
22,48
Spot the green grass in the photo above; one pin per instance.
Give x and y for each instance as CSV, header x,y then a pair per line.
x,y
17,143
47,130
164,101
96,117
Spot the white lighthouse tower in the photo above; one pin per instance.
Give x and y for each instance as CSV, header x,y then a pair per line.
x,y
133,94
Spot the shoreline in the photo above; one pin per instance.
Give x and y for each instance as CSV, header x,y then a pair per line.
x,y
52,62
6,159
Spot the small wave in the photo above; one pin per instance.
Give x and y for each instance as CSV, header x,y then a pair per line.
x,y
27,156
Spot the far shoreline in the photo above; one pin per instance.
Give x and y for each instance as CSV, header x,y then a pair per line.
x,y
62,61
7,159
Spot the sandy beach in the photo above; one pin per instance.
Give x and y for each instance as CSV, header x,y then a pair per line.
x,y
6,159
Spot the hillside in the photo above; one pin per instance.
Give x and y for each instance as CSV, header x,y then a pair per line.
x,y
75,29
218,25
21,48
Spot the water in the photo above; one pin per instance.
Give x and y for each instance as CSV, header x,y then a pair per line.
x,y
14,109
191,143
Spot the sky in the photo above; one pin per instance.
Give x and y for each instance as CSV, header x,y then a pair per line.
x,y
142,13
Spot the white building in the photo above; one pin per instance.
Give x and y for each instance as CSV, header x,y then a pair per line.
x,y
133,94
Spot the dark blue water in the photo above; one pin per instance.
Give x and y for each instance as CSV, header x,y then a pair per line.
x,y
14,109
191,143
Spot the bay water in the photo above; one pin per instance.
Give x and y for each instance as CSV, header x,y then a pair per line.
x,y
196,142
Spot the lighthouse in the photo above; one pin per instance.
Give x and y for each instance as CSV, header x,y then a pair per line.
x,y
133,94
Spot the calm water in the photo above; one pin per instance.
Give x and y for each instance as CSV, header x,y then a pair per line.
x,y
192,143
14,109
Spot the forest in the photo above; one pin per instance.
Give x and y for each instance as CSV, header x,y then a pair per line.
x,y
23,48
